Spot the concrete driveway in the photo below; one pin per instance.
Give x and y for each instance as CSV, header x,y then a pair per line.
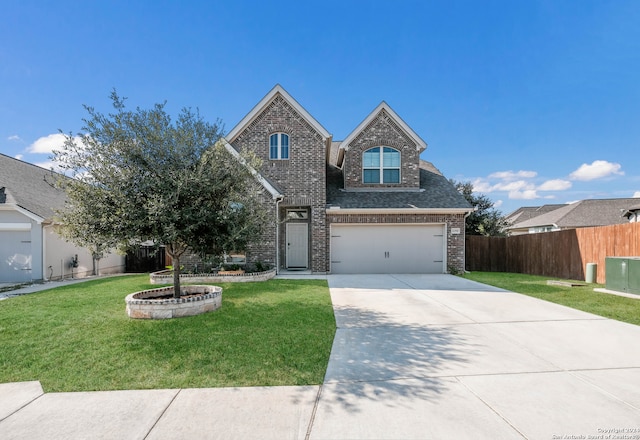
x,y
440,357
415,357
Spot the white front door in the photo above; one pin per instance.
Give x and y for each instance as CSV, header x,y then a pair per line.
x,y
297,237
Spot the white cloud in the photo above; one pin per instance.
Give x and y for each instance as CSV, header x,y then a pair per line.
x,y
510,175
597,170
514,186
481,185
555,185
636,195
498,203
522,185
484,186
46,144
14,137
527,194
19,156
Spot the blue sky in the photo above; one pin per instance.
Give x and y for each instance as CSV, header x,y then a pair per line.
x,y
535,102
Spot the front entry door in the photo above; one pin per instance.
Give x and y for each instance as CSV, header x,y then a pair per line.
x,y
297,237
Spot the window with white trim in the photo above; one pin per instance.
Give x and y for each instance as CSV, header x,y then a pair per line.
x,y
279,146
297,214
381,165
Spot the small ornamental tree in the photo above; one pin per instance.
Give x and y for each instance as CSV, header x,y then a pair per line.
x,y
138,176
485,220
87,225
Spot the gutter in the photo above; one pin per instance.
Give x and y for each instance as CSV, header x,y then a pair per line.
x,y
338,210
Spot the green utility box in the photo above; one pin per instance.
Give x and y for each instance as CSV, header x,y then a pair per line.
x,y
623,274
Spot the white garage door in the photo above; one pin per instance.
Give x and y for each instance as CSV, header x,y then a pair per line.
x,y
387,249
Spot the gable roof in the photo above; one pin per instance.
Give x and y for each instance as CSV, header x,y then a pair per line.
x,y
528,212
264,102
383,106
28,187
585,213
436,193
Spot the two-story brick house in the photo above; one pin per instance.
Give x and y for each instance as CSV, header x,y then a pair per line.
x,y
367,204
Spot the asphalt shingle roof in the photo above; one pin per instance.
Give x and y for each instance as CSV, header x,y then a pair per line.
x,y
437,192
24,184
585,213
529,212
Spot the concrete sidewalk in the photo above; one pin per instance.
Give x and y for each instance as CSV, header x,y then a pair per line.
x,y
11,290
414,357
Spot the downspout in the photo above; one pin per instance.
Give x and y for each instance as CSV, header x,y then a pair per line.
x,y
279,199
464,242
43,247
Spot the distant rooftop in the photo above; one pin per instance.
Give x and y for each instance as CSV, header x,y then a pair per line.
x,y
585,213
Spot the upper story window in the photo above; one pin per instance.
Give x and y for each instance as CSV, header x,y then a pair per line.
x,y
381,165
279,146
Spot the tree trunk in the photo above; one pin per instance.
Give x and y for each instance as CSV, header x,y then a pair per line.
x,y
175,251
176,276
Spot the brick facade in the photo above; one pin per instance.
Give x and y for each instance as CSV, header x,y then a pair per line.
x,y
301,178
382,131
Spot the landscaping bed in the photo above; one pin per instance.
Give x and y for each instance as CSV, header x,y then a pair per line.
x,y
236,276
161,303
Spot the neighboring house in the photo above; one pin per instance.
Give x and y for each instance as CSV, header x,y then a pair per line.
x,y
367,204
528,212
632,214
582,214
30,248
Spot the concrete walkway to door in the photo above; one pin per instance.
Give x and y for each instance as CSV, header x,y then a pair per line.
x,y
441,357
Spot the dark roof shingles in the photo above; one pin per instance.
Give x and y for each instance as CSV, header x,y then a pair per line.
x,y
29,186
438,193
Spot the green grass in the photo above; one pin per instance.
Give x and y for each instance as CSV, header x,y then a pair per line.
x,y
581,298
79,338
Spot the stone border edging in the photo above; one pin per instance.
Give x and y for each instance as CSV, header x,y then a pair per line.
x,y
166,277
142,305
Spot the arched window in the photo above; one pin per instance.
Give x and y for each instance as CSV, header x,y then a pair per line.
x,y
381,165
279,146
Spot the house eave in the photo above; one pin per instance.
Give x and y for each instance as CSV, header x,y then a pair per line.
x,y
21,210
346,211
275,194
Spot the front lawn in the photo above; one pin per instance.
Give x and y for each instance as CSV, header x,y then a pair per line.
x,y
581,298
79,338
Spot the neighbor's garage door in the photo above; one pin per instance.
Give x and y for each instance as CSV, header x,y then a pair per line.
x,y
15,256
387,248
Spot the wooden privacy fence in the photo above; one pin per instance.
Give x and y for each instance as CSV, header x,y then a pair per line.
x,y
562,254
